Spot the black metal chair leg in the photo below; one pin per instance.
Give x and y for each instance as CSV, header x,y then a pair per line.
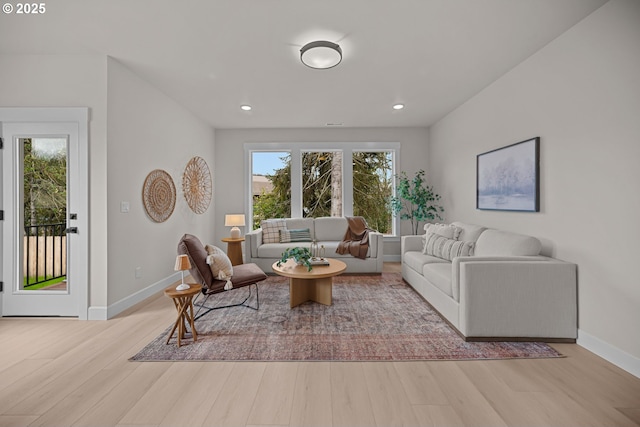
x,y
209,309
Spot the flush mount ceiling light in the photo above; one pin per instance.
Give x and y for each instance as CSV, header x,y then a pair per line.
x,y
321,55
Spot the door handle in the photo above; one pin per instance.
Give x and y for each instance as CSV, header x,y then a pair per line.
x,y
71,230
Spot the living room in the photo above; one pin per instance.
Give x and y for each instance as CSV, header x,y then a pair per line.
x,y
578,92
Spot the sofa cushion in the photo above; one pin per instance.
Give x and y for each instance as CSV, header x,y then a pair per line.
x,y
295,235
275,250
441,247
416,260
271,230
469,232
330,228
331,247
439,274
503,243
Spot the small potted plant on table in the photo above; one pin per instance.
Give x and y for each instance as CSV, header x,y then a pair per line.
x,y
301,256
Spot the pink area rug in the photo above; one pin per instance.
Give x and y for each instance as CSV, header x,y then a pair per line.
x,y
373,317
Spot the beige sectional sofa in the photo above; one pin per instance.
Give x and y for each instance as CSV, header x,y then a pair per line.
x,y
327,231
504,290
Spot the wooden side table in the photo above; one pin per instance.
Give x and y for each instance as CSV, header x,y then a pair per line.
x,y
234,249
183,300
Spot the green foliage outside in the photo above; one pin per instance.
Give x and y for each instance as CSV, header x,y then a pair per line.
x,y
45,186
40,283
372,189
277,203
415,200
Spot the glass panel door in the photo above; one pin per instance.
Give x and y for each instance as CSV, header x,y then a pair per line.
x,y
39,256
44,213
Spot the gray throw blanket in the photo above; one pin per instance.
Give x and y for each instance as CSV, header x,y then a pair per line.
x,y
356,239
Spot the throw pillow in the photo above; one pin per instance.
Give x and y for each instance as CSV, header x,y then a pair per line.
x,y
220,265
271,230
441,247
295,235
446,230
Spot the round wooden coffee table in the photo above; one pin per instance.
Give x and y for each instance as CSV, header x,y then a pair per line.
x,y
315,285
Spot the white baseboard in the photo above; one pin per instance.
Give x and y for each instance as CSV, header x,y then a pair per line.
x,y
610,353
97,313
105,313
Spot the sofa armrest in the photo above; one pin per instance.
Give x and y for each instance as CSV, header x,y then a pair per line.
x,y
252,239
455,266
411,243
517,297
379,244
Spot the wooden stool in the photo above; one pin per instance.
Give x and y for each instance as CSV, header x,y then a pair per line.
x,y
183,300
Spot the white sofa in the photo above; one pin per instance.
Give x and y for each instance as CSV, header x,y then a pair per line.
x,y
505,291
327,231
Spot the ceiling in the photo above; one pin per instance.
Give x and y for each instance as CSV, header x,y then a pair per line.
x,y
211,56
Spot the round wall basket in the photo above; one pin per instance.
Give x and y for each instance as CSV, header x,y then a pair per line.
x,y
159,195
196,185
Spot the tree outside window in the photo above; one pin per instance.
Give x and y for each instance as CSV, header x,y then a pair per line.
x,y
322,187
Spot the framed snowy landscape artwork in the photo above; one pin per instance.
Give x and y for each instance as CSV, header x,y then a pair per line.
x,y
507,179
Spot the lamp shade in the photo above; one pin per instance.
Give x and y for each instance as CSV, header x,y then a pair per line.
x,y
321,54
234,220
182,263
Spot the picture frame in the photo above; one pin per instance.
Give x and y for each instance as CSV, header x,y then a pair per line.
x,y
508,178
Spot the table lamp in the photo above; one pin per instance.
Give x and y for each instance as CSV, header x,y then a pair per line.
x,y
182,264
234,220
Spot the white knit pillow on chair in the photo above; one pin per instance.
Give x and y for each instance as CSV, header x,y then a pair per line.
x,y
220,265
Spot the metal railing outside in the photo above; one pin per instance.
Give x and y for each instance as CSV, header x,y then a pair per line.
x,y
45,253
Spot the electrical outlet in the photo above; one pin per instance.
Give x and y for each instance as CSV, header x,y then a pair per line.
x,y
138,272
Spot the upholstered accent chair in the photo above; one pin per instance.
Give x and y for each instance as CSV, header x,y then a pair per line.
x,y
244,275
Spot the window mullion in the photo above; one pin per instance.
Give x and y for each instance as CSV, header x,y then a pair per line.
x,y
296,183
347,182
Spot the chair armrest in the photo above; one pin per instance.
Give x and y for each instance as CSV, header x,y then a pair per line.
x,y
411,243
517,297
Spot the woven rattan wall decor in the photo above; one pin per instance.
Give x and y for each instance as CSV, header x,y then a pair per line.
x,y
159,195
196,185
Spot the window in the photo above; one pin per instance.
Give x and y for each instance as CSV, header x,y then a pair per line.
x,y
321,183
270,185
301,180
373,188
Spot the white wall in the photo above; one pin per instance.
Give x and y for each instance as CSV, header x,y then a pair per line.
x,y
133,129
146,131
70,81
581,95
230,173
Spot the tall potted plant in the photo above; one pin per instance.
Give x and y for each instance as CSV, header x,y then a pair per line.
x,y
415,200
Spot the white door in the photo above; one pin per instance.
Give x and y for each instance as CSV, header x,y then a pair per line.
x,y
43,239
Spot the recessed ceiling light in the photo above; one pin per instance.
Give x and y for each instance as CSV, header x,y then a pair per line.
x,y
245,107
398,106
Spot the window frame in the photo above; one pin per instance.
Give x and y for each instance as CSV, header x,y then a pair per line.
x,y
296,149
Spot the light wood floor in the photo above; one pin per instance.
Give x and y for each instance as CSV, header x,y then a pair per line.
x,y
63,372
